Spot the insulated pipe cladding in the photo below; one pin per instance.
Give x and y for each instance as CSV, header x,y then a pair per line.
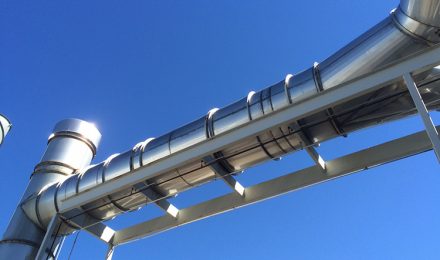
x,y
71,147
396,37
409,29
5,126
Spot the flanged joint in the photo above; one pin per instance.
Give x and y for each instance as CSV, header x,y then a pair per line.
x,y
77,128
71,146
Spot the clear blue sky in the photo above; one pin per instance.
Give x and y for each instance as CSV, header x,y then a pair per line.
x,y
141,68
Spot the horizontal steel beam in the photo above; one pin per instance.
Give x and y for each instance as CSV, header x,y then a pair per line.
x,y
294,112
352,163
102,232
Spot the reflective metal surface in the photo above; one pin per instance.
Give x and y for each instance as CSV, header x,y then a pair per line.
x,y
385,43
424,11
71,147
5,126
392,39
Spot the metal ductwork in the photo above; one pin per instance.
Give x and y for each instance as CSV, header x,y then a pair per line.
x,y
410,28
5,126
71,146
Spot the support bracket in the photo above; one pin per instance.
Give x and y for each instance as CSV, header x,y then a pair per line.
x,y
308,146
50,239
224,174
162,203
423,112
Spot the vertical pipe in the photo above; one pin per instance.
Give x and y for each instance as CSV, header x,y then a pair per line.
x,y
71,147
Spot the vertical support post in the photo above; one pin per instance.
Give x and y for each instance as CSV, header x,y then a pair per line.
x,y
423,112
50,240
110,250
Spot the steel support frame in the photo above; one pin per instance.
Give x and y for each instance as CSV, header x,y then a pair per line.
x,y
353,163
356,162
308,144
380,154
423,112
323,100
46,250
224,175
157,199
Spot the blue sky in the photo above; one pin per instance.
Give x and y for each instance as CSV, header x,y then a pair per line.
x,y
138,69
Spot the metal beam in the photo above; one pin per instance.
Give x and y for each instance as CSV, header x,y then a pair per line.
x,y
307,143
352,163
77,219
316,157
325,99
224,175
161,202
50,240
101,231
423,112
109,253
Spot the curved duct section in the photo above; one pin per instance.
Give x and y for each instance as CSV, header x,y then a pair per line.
x,y
5,126
410,28
71,147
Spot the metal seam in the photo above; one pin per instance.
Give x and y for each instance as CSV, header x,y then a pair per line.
x,y
51,163
317,77
408,32
264,148
210,123
334,122
270,131
258,137
276,141
104,168
181,177
37,211
55,202
54,172
287,139
75,136
320,88
3,133
248,104
142,151
286,88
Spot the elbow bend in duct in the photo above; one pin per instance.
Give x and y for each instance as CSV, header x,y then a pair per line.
x,y
419,18
411,28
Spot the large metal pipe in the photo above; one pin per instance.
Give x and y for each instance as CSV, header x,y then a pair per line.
x,y
71,147
410,28
5,126
425,12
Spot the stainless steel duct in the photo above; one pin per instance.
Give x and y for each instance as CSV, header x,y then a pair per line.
x,y
5,126
71,147
410,28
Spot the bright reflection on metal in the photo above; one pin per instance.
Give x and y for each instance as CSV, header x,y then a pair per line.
x,y
107,234
74,142
5,126
321,162
239,188
172,210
